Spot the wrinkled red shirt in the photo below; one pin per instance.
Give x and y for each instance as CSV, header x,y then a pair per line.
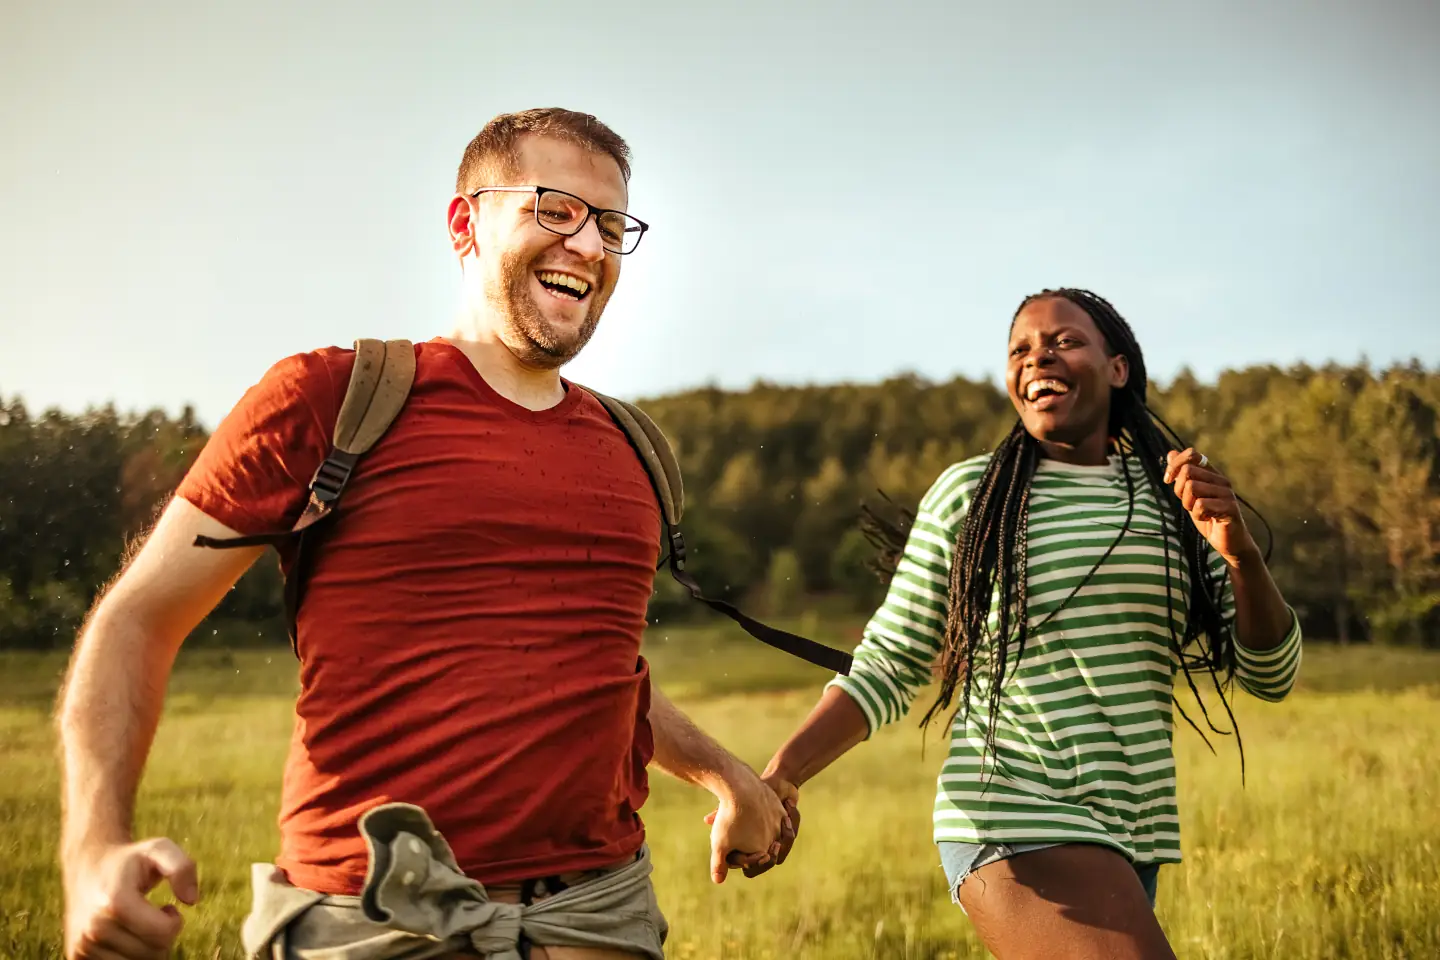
x,y
470,633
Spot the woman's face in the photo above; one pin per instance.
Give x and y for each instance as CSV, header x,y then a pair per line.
x,y
1060,373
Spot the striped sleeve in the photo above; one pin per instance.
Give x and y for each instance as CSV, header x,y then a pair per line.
x,y
902,640
1267,674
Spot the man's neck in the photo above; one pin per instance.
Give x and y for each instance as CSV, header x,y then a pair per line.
x,y
530,387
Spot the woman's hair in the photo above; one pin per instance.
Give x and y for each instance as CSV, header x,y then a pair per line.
x,y
990,551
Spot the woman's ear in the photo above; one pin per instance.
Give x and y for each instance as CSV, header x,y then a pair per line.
x,y
1119,371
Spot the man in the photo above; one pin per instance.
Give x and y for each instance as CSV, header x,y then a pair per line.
x,y
473,705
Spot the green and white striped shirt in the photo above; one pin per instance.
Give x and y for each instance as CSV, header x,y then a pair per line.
x,y
1083,743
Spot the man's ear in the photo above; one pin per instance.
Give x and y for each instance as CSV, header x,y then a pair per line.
x,y
1119,371
461,217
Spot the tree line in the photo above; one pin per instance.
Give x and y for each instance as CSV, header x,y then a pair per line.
x,y
1342,462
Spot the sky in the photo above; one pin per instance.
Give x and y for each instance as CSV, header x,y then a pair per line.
x,y
837,192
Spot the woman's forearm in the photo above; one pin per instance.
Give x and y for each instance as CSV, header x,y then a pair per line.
x,y
1262,618
832,728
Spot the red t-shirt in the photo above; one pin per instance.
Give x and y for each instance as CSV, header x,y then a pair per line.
x,y
469,638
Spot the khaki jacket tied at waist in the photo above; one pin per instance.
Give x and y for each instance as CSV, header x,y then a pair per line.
x,y
416,904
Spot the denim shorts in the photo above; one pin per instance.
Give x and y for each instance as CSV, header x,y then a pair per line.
x,y
959,860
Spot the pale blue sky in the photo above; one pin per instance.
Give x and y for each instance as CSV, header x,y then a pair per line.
x,y
190,191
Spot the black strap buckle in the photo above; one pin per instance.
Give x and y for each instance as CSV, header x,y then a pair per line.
x,y
677,549
331,476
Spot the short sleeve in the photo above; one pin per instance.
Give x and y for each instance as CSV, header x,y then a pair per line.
x,y
253,473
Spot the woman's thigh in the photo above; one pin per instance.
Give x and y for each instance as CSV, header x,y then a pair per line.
x,y
1074,900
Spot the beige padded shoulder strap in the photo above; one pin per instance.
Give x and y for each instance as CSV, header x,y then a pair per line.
x,y
379,384
655,452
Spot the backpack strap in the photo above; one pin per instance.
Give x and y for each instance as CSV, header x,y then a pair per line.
x,y
664,470
655,452
380,382
379,385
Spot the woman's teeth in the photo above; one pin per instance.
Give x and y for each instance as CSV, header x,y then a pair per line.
x,y
1039,388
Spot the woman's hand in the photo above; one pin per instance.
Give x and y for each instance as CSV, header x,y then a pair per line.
x,y
1210,500
789,796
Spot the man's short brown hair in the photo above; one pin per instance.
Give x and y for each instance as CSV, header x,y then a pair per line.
x,y
492,154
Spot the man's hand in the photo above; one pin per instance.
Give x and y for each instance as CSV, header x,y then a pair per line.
x,y
749,826
789,796
107,916
755,864
107,715
834,726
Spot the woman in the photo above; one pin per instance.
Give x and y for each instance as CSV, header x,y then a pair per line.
x,y
1056,804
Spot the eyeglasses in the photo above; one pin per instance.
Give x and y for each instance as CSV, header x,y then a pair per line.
x,y
566,214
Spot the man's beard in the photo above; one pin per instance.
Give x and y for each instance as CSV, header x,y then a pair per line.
x,y
534,340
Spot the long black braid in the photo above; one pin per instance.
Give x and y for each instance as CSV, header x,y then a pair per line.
x,y
992,548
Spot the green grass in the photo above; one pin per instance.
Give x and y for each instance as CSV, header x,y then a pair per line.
x,y
1331,848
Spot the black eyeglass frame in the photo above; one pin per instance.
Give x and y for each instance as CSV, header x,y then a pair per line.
x,y
593,211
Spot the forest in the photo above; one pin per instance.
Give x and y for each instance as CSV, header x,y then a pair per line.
x,y
1341,462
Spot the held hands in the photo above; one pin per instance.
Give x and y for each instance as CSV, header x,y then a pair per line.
x,y
1210,500
725,849
107,915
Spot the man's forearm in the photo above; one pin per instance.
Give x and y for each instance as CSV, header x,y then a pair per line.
x,y
685,751
749,821
1262,618
108,711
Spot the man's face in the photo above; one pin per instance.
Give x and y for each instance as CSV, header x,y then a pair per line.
x,y
528,275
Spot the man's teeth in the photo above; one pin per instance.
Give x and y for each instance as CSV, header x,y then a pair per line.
x,y
564,280
1037,387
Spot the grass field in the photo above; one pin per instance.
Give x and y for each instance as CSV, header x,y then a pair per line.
x,y
1331,849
